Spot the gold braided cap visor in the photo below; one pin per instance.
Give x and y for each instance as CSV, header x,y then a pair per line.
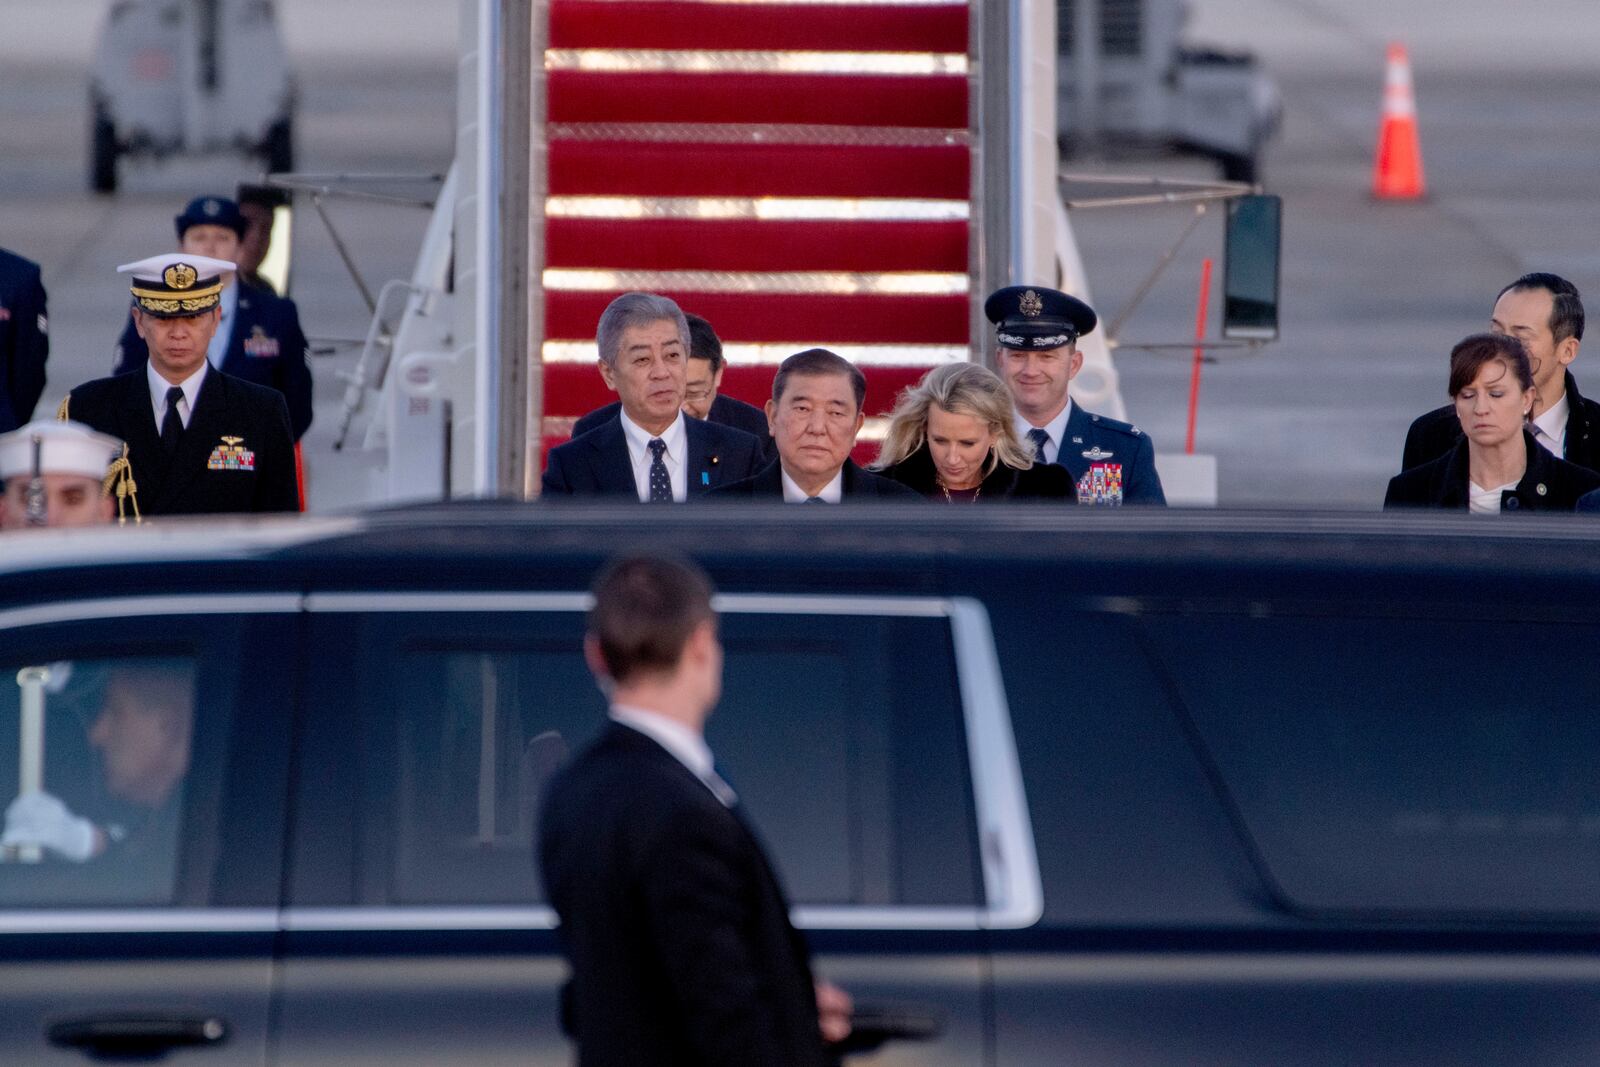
x,y
172,303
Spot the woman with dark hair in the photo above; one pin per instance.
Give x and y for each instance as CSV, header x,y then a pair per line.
x,y
951,438
1496,466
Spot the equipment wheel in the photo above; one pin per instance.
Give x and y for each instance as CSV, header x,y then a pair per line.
x,y
278,148
102,150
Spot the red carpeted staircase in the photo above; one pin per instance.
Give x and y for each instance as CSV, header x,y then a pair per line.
x,y
798,173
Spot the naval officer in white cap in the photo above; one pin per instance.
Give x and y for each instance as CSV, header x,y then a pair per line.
x,y
57,474
199,441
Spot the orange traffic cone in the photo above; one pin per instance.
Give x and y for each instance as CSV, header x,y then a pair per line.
x,y
1397,170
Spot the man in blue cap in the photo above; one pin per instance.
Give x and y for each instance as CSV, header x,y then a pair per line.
x,y
259,338
1036,335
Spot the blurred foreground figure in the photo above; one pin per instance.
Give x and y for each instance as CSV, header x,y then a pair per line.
x,y
141,737
1497,465
1545,313
24,339
58,474
671,916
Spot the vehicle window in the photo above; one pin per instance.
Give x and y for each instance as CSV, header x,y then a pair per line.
x,y
97,756
1412,766
843,737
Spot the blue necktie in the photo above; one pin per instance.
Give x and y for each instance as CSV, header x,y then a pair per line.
x,y
815,500
660,480
1038,437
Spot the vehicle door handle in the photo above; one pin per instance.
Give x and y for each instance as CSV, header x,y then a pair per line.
x,y
137,1035
872,1026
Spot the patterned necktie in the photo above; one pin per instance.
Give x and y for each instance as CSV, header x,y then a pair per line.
x,y
171,423
1038,437
660,480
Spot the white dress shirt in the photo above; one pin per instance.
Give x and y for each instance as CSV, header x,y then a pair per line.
x,y
1550,429
686,746
833,492
158,393
217,350
1056,428
676,456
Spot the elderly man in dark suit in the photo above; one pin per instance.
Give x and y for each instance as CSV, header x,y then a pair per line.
x,y
649,451
815,414
199,441
672,917
701,398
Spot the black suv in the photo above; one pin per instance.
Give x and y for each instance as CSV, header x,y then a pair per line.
x,y
1058,787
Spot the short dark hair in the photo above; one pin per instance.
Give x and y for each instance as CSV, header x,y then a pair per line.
x,y
703,341
645,608
820,361
1469,355
1566,306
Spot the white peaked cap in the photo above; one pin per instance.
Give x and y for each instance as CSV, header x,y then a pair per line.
x,y
156,266
65,448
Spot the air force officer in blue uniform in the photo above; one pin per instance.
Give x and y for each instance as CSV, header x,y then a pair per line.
x,y
649,450
24,339
259,339
1036,333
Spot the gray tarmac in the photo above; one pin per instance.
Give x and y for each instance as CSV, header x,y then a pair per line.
x,y
1374,294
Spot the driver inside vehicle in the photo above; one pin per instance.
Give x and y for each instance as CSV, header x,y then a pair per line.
x,y
141,739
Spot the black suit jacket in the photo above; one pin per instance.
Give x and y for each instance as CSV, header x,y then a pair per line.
x,y
725,411
1042,481
265,346
857,484
1434,434
24,339
1548,484
597,464
673,921
206,474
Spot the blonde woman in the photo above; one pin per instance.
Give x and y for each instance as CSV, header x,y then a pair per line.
x,y
951,438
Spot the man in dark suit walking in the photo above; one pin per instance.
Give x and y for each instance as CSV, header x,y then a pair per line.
x,y
199,441
702,398
649,451
672,917
815,413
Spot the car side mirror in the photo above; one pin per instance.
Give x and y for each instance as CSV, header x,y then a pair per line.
x,y
1251,251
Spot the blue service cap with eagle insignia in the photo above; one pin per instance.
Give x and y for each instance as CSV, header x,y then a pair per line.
x,y
1033,317
211,211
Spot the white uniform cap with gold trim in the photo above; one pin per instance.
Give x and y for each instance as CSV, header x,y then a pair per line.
x,y
152,269
64,448
176,284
